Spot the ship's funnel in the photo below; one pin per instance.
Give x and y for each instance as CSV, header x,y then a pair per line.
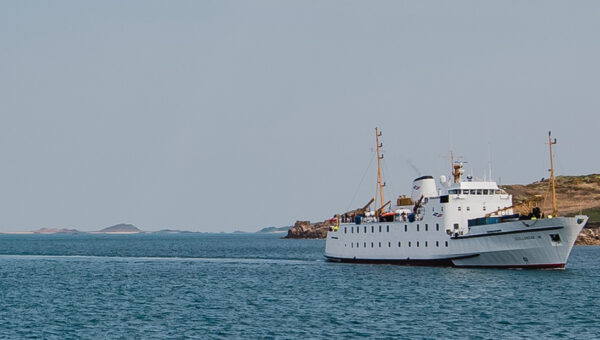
x,y
423,186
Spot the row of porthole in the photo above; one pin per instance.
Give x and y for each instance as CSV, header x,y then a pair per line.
x,y
426,243
387,228
469,208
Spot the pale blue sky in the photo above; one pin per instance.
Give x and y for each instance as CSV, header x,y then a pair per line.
x,y
236,115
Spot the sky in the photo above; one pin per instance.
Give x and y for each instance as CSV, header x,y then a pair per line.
x,y
217,116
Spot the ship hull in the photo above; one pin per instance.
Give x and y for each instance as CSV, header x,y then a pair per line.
x,y
544,243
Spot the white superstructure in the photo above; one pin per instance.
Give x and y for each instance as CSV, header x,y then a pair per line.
x,y
455,223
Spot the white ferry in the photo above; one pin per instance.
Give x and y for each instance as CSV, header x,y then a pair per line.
x,y
455,222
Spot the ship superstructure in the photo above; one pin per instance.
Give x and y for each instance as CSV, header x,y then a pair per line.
x,y
454,222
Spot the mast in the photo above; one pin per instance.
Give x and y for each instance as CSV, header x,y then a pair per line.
x,y
552,182
380,183
456,168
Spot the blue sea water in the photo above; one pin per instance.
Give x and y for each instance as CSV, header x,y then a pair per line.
x,y
259,286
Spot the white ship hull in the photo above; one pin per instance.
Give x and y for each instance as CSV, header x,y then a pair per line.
x,y
541,243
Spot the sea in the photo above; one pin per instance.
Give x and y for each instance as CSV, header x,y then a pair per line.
x,y
248,286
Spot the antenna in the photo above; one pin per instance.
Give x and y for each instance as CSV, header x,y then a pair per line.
x,y
489,162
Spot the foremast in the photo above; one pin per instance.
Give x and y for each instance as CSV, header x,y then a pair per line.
x,y
380,183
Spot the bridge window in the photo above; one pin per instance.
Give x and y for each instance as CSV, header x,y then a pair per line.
x,y
485,191
473,191
479,191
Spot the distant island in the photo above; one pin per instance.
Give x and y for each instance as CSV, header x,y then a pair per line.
x,y
575,194
120,229
124,228
56,231
274,230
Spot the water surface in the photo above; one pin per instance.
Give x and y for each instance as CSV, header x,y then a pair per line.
x,y
241,286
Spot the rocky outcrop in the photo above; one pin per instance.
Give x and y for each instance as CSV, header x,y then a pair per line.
x,y
305,229
589,236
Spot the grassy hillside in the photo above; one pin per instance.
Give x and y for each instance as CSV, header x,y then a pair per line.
x,y
575,194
